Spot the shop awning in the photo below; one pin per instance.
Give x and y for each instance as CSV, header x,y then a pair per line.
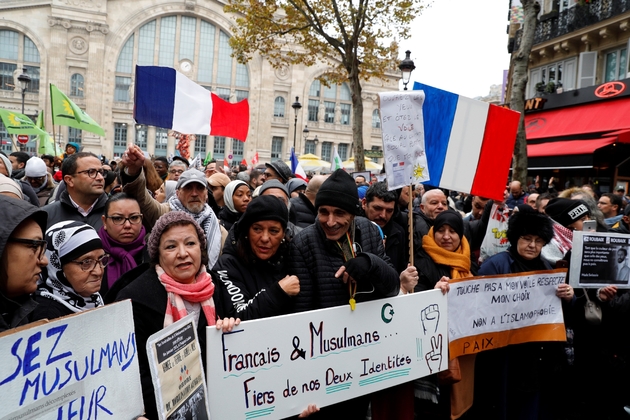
x,y
569,147
599,117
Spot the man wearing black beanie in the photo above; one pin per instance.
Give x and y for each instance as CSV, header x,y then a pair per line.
x,y
341,260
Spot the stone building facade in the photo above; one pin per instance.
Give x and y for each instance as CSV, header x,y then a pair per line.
x,y
89,49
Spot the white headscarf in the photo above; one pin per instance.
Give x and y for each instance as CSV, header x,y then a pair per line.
x,y
230,188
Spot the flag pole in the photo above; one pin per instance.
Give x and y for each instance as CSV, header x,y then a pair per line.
x,y
410,217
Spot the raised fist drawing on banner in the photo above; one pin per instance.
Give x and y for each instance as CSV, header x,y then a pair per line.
x,y
430,317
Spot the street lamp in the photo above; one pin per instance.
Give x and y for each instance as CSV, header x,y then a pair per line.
x,y
24,80
305,132
406,67
296,106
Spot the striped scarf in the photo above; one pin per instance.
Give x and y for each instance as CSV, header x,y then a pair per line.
x,y
200,291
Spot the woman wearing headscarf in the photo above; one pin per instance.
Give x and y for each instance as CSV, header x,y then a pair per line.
x,y
252,265
177,284
76,263
22,259
445,255
522,381
122,235
166,191
236,196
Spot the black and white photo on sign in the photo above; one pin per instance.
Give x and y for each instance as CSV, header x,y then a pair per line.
x,y
362,177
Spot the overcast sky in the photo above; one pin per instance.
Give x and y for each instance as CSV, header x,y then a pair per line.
x,y
460,46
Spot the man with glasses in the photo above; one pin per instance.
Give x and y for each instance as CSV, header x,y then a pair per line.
x,y
84,198
176,169
277,170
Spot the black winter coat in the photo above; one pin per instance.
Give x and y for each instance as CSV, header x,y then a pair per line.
x,y
148,299
315,260
63,209
250,289
49,309
302,212
227,218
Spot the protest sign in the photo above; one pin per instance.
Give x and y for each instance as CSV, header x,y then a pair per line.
x,y
78,366
403,138
600,259
275,367
177,373
489,312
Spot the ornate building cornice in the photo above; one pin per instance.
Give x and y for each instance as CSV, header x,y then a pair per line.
x,y
75,24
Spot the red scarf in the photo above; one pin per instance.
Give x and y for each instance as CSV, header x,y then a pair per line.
x,y
200,291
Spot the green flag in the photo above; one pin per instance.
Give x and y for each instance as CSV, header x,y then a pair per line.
x,y
46,143
336,162
66,112
17,123
208,159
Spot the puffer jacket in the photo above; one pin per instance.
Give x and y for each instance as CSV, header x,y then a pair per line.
x,y
315,260
16,312
302,212
250,289
63,209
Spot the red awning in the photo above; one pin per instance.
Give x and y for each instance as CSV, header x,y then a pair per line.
x,y
569,147
577,120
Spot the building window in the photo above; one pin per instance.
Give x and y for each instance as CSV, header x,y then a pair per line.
x,y
237,151
120,138
5,139
313,109
376,148
121,93
279,107
343,151
333,97
309,147
142,133
168,40
563,72
219,148
376,119
161,141
276,148
76,85
327,151
17,51
74,135
616,65
200,145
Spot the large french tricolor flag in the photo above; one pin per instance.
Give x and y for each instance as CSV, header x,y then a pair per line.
x,y
166,98
468,143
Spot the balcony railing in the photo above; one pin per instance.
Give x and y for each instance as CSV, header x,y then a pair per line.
x,y
555,24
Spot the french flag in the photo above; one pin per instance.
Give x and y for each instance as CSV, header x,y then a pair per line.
x,y
296,167
166,98
468,143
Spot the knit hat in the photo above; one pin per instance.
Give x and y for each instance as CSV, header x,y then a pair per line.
x,y
361,191
281,168
35,168
191,175
75,145
339,190
10,186
294,184
265,207
163,223
274,183
7,163
451,218
527,222
219,180
68,240
566,211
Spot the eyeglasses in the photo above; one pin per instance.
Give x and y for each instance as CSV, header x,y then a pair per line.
x,y
90,264
538,242
38,246
134,219
176,171
92,172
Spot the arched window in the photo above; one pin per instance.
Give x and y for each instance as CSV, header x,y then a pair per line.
x,y
191,45
76,85
279,107
18,52
336,99
376,119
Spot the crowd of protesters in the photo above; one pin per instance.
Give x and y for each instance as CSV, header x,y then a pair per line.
x,y
80,232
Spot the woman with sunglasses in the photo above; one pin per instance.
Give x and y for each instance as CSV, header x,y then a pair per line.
x,y
122,235
22,259
76,263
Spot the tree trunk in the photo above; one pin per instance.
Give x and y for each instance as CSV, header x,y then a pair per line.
x,y
520,65
357,120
